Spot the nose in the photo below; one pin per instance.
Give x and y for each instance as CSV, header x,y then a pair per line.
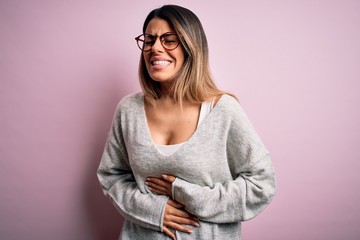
x,y
157,45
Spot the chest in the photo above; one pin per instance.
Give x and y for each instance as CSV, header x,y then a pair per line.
x,y
202,159
172,125
197,161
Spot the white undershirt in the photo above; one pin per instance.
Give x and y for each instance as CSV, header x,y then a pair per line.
x,y
205,109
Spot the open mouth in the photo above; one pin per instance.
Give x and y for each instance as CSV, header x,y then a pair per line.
x,y
160,63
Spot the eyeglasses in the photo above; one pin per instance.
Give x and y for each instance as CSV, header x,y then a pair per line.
x,y
169,41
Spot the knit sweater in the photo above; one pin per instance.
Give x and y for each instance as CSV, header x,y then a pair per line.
x,y
224,172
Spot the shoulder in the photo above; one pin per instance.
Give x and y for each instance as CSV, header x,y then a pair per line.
x,y
231,110
228,99
228,104
130,104
132,101
128,107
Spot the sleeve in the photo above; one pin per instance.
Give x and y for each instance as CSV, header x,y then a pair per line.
x,y
118,183
252,187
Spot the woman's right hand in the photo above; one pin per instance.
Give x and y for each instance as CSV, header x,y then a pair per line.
x,y
175,217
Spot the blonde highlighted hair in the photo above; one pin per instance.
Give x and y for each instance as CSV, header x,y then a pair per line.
x,y
193,83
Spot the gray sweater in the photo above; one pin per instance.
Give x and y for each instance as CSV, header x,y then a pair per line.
x,y
224,173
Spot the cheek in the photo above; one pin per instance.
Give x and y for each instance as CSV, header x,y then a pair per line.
x,y
146,57
180,59
147,60
181,63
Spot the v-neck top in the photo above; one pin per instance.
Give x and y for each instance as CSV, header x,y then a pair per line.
x,y
224,174
205,109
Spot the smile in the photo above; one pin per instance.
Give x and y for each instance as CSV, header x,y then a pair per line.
x,y
161,63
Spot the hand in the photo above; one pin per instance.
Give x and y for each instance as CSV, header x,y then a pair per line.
x,y
162,186
175,217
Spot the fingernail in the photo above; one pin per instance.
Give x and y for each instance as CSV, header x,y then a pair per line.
x,y
164,176
197,225
190,231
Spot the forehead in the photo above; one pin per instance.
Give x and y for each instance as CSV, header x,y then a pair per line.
x,y
158,26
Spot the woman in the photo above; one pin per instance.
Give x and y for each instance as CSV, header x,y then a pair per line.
x,y
181,159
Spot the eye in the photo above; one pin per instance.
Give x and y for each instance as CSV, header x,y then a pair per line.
x,y
149,40
170,39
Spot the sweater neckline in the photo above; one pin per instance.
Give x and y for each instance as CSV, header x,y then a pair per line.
x,y
184,144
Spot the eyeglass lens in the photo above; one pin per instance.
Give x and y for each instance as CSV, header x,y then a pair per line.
x,y
168,40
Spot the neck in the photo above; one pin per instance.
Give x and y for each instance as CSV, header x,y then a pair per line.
x,y
165,88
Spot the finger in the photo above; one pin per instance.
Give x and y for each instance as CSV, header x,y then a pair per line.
x,y
181,220
179,227
158,189
155,186
179,215
169,233
179,212
158,181
168,178
174,204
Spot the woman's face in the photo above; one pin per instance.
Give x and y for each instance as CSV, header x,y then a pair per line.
x,y
162,64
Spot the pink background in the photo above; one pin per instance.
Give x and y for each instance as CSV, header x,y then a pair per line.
x,y
64,65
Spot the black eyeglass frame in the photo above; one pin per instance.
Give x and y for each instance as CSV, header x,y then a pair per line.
x,y
140,42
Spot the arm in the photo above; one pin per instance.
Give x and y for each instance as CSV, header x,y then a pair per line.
x,y
239,199
118,183
253,184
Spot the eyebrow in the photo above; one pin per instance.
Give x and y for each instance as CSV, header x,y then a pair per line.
x,y
160,34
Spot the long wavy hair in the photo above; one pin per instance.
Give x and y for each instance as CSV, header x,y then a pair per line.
x,y
193,83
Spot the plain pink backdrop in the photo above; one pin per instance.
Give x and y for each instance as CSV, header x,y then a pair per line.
x,y
64,65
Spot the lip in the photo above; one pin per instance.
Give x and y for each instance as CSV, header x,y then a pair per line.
x,y
161,63
153,59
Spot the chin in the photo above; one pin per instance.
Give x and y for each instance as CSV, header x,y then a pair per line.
x,y
161,79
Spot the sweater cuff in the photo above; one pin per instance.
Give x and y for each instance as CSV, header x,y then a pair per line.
x,y
178,193
162,215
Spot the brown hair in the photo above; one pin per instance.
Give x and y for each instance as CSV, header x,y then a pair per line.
x,y
193,83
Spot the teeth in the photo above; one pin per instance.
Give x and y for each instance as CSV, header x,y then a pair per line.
x,y
161,62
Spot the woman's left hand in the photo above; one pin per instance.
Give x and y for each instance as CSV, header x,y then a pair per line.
x,y
162,185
